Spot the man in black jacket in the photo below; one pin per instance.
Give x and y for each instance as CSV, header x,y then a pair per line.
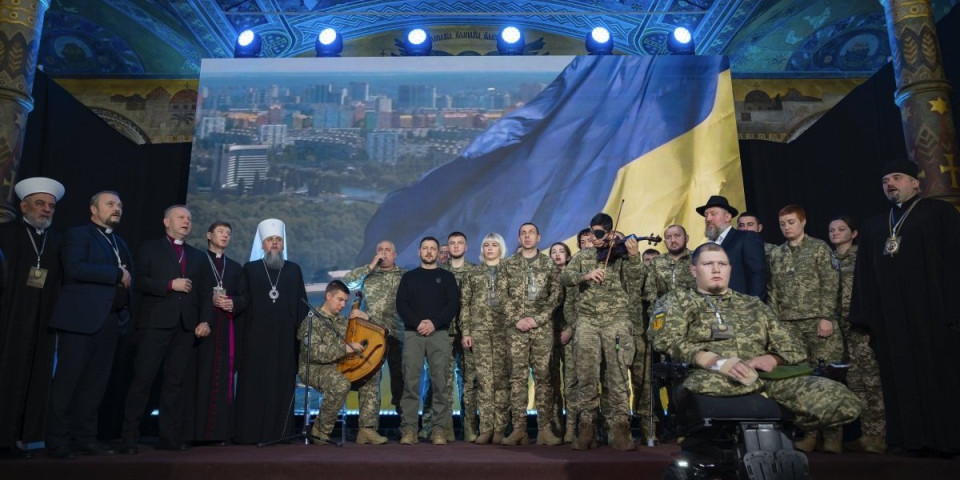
x,y
745,249
168,268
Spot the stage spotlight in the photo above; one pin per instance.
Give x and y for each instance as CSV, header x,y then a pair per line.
x,y
599,42
680,42
510,41
329,43
248,45
417,42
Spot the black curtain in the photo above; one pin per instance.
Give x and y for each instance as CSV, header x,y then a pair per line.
x,y
834,167
65,140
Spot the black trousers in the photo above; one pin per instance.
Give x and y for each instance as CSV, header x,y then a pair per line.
x,y
170,348
82,372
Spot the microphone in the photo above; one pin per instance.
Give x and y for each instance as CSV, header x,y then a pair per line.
x,y
379,261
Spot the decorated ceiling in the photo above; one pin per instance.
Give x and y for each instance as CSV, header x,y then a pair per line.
x,y
763,38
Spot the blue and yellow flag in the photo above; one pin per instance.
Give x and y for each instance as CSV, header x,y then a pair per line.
x,y
658,132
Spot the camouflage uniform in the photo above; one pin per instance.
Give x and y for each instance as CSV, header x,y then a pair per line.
x,y
604,332
483,318
802,290
325,350
380,298
640,368
685,325
531,291
864,374
563,365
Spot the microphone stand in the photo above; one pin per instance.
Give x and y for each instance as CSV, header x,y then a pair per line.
x,y
304,434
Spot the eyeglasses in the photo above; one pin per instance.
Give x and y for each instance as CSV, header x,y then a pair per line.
x,y
599,233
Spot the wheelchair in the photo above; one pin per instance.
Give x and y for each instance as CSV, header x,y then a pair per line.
x,y
742,437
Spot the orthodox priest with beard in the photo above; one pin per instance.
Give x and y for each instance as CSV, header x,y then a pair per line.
x,y
267,367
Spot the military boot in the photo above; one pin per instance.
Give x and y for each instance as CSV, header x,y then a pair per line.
x,y
518,436
808,442
622,438
483,438
545,436
409,437
570,433
369,435
319,437
867,444
497,438
587,437
438,436
832,440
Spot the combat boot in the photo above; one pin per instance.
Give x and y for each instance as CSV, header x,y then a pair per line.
x,y
622,438
483,438
497,438
867,444
587,438
517,437
438,436
570,433
545,436
409,437
808,442
832,440
318,437
369,435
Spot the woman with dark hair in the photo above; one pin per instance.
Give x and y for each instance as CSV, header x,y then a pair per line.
x,y
864,374
803,293
563,365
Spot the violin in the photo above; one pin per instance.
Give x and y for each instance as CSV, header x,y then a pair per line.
x,y
619,248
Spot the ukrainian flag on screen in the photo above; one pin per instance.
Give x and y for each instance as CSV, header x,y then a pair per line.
x,y
658,132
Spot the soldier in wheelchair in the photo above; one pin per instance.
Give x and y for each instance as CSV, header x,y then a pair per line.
x,y
737,380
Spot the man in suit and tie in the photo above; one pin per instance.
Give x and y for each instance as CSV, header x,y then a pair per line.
x,y
167,270
93,309
744,249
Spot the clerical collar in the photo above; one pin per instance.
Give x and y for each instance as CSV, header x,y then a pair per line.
x,y
174,241
909,201
38,230
106,230
215,254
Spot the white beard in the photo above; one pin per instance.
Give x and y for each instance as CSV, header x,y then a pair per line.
x,y
273,260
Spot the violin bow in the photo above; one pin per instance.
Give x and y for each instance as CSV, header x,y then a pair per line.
x,y
616,225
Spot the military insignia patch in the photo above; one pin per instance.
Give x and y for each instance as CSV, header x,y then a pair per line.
x,y
658,320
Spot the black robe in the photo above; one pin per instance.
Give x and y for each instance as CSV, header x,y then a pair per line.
x,y
267,369
26,345
908,304
208,395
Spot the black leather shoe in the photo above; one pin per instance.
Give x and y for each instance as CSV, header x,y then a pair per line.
x,y
174,447
93,448
128,449
61,453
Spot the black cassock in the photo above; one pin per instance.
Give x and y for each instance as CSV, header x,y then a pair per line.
x,y
267,370
208,385
908,304
26,346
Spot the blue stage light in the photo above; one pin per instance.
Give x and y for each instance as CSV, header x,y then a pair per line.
x,y
248,45
680,42
599,41
510,41
417,42
329,43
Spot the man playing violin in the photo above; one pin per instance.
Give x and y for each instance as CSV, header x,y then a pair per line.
x,y
325,348
604,275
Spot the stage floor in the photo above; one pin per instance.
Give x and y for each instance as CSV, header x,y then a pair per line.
x,y
457,460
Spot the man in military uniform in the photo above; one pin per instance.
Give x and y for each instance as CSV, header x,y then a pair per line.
x,y
462,362
324,349
532,296
379,281
729,336
749,222
604,331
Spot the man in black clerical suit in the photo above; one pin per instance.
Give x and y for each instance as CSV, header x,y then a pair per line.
x,y
92,310
32,249
209,399
745,250
169,308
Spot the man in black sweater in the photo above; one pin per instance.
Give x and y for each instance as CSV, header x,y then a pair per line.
x,y
428,300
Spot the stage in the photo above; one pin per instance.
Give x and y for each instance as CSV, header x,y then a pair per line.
x,y
456,460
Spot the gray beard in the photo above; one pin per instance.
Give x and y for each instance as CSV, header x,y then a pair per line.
x,y
40,224
273,260
712,232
